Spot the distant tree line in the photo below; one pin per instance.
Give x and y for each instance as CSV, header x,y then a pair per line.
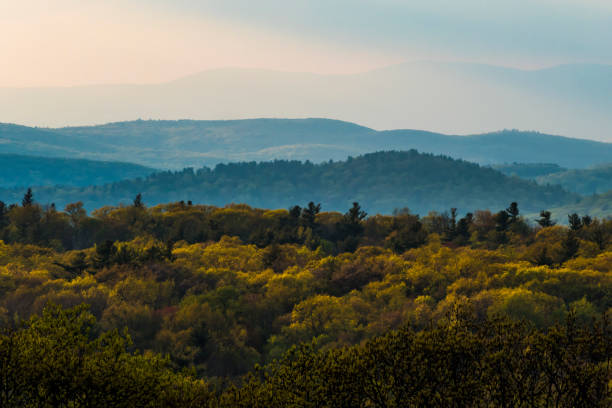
x,y
380,182
72,228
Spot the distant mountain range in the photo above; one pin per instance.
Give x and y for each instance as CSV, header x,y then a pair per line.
x,y
190,143
381,182
572,100
25,171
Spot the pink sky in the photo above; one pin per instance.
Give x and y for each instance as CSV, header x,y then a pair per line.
x,y
104,43
74,42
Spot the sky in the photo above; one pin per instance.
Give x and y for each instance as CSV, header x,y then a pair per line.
x,y
69,42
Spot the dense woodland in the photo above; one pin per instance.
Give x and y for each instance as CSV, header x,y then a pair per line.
x,y
23,171
191,305
381,182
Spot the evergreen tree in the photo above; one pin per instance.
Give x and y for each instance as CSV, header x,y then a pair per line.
x,y
3,215
28,199
502,220
513,212
309,214
105,254
545,219
295,211
453,223
355,214
574,221
138,201
463,226
570,245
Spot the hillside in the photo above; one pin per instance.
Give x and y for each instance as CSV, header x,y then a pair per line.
x,y
599,205
528,170
189,143
595,180
170,306
573,100
381,182
20,171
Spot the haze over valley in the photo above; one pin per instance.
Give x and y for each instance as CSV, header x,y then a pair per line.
x,y
572,100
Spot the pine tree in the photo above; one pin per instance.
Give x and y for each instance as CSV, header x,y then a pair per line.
x,y
138,201
513,212
355,214
28,199
574,221
309,214
545,219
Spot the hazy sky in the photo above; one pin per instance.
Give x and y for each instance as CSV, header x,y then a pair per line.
x,y
69,42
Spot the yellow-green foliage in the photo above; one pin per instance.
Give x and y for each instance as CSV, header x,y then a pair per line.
x,y
223,306
218,290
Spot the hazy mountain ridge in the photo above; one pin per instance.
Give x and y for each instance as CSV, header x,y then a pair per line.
x,y
573,100
191,143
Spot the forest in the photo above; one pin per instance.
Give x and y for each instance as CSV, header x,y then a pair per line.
x,y
182,304
594,180
381,182
23,171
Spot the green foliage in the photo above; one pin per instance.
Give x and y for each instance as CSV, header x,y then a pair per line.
x,y
56,360
320,300
380,182
460,362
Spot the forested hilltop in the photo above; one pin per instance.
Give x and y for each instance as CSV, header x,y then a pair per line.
x,y
381,182
24,171
596,180
172,305
167,144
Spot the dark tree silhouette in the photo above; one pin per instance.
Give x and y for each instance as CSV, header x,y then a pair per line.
x,y
545,219
502,220
28,198
574,221
309,214
138,201
355,214
513,212
463,226
295,211
3,214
